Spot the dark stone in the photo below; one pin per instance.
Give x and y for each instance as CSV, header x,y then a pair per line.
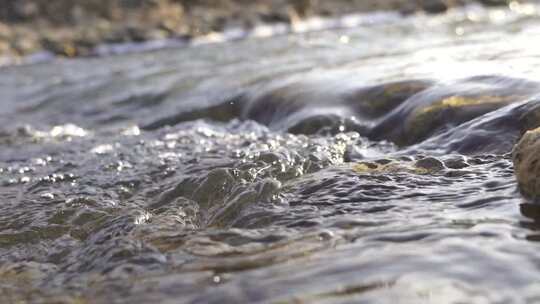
x,y
430,164
434,6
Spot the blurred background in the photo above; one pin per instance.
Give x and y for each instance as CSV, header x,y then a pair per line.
x,y
76,27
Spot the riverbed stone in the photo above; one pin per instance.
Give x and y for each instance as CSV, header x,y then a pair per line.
x,y
430,164
526,157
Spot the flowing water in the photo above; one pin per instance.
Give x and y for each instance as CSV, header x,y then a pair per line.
x,y
360,165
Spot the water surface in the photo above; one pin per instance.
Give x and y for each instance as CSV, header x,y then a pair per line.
x,y
360,165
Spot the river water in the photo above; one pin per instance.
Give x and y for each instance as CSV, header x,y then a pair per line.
x,y
356,165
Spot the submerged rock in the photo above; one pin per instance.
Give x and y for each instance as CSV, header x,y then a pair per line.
x,y
526,158
442,107
430,164
427,165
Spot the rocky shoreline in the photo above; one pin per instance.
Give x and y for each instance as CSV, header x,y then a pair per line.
x,y
75,28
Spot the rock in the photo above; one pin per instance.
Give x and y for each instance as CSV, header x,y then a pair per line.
x,y
431,164
526,156
434,6
441,107
456,162
427,165
494,2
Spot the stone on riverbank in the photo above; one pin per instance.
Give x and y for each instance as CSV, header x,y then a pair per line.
x,y
76,28
526,158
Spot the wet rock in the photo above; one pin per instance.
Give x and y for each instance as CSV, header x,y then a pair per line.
x,y
456,162
431,164
494,2
434,6
451,110
380,99
530,119
427,165
526,156
530,210
441,107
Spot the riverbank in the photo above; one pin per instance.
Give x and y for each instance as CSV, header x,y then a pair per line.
x,y
76,28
